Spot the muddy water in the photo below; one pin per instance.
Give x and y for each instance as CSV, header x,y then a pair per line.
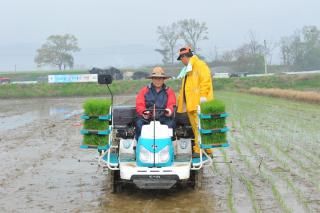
x,y
43,169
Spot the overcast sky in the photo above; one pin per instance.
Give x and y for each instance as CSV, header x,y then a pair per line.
x,y
123,33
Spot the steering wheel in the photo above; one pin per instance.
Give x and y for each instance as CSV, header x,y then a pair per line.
x,y
160,112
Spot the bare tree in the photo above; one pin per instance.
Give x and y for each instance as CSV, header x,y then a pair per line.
x,y
227,56
255,47
216,55
269,48
301,51
285,43
192,31
168,37
164,53
311,35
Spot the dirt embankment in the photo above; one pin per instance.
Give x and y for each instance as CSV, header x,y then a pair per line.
x,y
306,96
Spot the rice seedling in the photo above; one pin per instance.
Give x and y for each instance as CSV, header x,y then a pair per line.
x,y
300,197
230,195
269,179
97,107
303,173
95,140
214,138
214,107
269,142
230,198
286,135
243,179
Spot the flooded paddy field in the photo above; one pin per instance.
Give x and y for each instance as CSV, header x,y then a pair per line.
x,y
274,152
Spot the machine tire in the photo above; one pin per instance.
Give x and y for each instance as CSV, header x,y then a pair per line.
x,y
196,179
110,180
114,183
199,176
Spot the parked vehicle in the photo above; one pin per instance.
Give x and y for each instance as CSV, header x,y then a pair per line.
x,y
4,80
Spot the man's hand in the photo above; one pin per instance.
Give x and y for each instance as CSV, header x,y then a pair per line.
x,y
146,114
203,99
168,112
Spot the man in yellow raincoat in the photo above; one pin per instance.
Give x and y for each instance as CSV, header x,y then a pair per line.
x,y
196,87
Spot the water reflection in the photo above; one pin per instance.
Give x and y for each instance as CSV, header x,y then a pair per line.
x,y
175,200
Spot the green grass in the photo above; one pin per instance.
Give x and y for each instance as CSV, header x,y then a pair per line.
x,y
124,87
305,83
96,107
68,90
310,82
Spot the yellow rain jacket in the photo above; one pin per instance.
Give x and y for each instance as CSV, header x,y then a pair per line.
x,y
198,84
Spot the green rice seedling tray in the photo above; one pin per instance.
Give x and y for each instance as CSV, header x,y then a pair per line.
x,y
213,123
212,131
210,146
92,141
214,139
100,117
96,129
95,132
95,142
100,148
213,116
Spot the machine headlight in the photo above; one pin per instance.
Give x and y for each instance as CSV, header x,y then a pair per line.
x,y
144,155
164,155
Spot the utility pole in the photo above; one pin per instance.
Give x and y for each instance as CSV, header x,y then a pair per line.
x,y
265,57
216,57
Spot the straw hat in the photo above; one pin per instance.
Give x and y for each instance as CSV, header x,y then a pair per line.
x,y
158,72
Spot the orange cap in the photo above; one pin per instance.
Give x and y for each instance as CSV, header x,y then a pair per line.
x,y
183,51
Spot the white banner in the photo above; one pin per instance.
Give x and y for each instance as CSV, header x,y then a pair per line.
x,y
80,78
302,72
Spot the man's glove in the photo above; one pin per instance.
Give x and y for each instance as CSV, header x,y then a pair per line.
x,y
203,99
168,112
146,114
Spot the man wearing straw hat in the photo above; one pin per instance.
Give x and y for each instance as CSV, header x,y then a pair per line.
x,y
155,94
196,88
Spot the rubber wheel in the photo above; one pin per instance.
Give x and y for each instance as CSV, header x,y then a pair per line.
x,y
114,183
196,179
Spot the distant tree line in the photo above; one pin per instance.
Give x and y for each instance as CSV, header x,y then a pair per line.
x,y
139,75
301,51
249,57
